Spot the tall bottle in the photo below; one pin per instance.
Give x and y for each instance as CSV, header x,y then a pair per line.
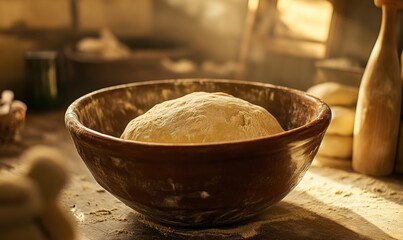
x,y
379,100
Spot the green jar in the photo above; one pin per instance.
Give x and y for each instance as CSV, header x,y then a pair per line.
x,y
44,76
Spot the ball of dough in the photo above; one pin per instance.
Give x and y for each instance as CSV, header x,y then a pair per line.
x,y
47,170
334,93
342,121
336,146
20,201
202,117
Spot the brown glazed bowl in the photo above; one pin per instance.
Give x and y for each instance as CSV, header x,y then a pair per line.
x,y
197,185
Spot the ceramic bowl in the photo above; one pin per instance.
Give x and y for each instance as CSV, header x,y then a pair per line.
x,y
197,185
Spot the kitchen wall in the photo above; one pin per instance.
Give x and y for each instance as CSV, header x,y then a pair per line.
x,y
212,28
17,20
352,35
46,24
49,25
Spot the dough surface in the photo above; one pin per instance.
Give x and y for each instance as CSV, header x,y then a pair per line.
x,y
202,117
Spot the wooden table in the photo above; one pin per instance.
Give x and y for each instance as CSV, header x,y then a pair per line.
x,y
329,203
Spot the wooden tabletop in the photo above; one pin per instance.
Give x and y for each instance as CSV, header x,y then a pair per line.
x,y
329,203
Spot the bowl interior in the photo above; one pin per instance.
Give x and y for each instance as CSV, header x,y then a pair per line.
x,y
109,110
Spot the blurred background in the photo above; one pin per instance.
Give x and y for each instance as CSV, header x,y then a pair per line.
x,y
98,43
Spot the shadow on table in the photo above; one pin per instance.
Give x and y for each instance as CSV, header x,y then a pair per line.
x,y
282,221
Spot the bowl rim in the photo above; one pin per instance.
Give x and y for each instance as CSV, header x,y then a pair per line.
x,y
71,118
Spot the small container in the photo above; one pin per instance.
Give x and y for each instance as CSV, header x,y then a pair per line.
x,y
12,122
44,78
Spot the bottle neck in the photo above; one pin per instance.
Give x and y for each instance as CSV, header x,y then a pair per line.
x,y
387,32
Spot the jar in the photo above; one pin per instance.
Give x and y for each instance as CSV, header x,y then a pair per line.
x,y
44,78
